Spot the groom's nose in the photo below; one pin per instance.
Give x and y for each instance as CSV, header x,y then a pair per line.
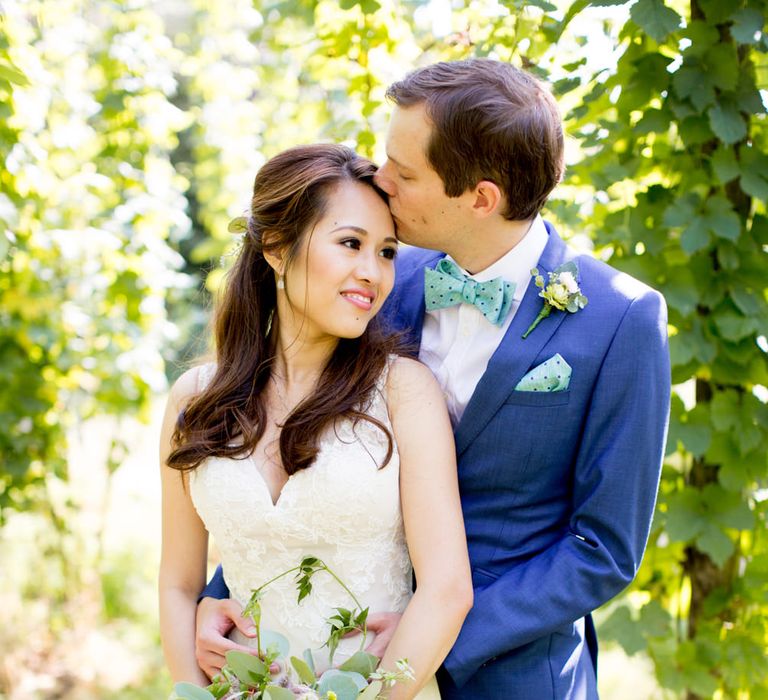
x,y
383,179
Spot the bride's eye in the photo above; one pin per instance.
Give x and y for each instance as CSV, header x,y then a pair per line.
x,y
390,253
353,243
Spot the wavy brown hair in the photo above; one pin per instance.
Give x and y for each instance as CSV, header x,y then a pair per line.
x,y
228,417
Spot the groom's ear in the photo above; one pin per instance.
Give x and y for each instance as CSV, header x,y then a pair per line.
x,y
487,199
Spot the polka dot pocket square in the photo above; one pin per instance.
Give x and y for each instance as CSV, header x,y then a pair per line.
x,y
552,375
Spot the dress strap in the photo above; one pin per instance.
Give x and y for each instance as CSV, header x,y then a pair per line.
x,y
205,375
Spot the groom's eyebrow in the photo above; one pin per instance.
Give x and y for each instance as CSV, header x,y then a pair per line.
x,y
362,232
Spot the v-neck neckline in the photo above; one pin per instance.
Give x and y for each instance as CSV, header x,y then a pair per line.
x,y
268,491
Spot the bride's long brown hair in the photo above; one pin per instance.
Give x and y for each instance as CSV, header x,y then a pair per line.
x,y
228,417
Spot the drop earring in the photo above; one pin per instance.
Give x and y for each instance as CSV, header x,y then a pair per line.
x,y
280,282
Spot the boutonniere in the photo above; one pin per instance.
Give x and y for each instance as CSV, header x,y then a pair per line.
x,y
561,292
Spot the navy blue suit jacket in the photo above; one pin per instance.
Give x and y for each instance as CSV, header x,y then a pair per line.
x,y
558,489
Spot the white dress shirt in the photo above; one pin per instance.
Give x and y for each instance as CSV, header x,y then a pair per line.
x,y
458,341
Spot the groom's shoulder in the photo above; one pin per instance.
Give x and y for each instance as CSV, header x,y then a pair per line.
x,y
614,292
411,260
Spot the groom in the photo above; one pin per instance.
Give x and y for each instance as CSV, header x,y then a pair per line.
x,y
560,424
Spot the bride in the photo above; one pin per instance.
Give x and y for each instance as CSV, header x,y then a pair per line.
x,y
308,436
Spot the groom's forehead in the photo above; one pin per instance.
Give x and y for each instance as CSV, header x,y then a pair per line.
x,y
407,137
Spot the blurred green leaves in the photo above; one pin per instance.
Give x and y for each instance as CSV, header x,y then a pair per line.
x,y
680,162
129,143
88,203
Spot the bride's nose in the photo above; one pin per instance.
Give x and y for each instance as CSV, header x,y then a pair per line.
x,y
368,268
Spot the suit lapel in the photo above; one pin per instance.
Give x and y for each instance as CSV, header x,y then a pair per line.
x,y
410,309
514,356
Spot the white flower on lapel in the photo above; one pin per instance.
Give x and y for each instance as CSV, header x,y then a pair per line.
x,y
569,282
561,292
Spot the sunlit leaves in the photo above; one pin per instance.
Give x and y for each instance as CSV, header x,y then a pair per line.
x,y
11,74
747,25
655,18
727,122
699,223
703,516
724,164
690,431
633,630
88,202
689,140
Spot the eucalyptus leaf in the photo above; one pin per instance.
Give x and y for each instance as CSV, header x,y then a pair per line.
x,y
306,674
307,654
361,662
343,684
188,691
275,692
246,667
274,640
238,225
570,266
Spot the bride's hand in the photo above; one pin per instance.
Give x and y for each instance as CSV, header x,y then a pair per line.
x,y
383,625
215,619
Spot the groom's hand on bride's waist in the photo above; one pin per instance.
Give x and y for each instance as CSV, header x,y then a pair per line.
x,y
216,619
383,625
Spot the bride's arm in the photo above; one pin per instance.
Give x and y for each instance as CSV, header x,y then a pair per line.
x,y
434,526
184,552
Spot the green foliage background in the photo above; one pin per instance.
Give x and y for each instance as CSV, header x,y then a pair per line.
x,y
130,132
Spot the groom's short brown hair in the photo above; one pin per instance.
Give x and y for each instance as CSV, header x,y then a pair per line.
x,y
490,121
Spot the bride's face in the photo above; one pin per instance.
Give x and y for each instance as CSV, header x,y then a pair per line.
x,y
344,268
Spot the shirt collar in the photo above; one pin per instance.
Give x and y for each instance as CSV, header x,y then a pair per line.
x,y
515,265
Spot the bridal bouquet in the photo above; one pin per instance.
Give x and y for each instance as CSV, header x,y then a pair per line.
x,y
245,676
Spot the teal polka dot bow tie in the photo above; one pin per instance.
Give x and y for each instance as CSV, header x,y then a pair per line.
x,y
447,285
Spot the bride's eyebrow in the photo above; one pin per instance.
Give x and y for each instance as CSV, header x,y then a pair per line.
x,y
362,232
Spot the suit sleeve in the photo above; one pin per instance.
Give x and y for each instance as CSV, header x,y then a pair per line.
x,y
216,587
615,481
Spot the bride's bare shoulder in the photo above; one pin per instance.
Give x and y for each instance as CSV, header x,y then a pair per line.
x,y
410,382
189,384
405,372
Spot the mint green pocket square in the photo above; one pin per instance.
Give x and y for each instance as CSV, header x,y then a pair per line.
x,y
552,375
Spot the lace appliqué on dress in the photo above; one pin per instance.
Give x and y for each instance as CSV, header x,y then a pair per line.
x,y
344,509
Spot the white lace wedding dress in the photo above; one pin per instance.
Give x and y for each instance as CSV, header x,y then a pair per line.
x,y
344,509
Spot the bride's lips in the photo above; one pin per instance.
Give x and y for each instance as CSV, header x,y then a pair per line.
x,y
360,298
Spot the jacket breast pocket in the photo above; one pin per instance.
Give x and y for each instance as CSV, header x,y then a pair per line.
x,y
538,398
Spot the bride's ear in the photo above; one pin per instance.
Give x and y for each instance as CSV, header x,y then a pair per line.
x,y
275,261
274,257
